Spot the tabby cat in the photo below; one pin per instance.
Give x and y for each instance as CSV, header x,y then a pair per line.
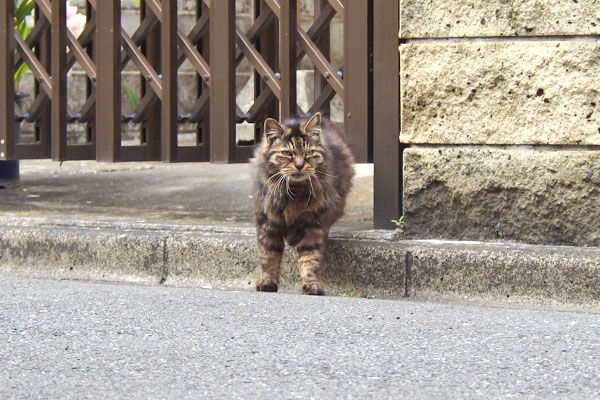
x,y
304,172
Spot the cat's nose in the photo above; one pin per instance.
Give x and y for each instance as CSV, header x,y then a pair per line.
x,y
299,164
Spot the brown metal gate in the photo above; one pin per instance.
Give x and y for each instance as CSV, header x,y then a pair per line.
x,y
273,45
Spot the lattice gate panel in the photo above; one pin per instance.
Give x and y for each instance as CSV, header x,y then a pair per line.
x,y
273,45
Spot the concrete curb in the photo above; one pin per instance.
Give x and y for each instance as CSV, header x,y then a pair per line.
x,y
378,263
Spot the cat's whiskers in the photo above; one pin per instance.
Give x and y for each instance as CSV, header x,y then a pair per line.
x,y
290,194
312,190
321,172
268,186
279,186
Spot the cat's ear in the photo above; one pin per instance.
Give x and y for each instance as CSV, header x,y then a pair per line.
x,y
312,127
273,130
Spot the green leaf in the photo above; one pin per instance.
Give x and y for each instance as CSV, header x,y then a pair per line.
x,y
23,9
133,100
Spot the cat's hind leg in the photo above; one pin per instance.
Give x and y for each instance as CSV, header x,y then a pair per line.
x,y
270,250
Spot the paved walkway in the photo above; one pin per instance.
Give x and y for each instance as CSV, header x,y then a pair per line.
x,y
185,193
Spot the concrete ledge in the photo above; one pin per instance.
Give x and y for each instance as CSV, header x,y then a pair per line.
x,y
516,273
376,262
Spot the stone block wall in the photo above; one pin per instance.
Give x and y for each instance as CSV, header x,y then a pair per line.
x,y
500,110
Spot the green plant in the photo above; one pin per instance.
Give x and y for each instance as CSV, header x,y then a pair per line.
x,y
23,24
354,295
133,99
399,223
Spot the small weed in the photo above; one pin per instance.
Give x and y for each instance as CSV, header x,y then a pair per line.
x,y
399,223
355,295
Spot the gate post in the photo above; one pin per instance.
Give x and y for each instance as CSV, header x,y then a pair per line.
x,y
59,80
356,76
108,100
287,57
387,152
222,89
7,83
168,35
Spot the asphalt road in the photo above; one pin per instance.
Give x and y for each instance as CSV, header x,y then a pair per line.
x,y
77,340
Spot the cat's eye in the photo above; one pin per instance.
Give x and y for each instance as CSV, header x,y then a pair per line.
x,y
311,153
286,153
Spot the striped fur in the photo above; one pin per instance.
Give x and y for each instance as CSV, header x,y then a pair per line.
x,y
303,174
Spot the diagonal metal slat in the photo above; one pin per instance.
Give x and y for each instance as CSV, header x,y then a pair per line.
x,y
156,8
258,62
275,7
255,31
338,6
81,55
326,95
201,106
320,61
139,36
188,48
145,104
140,61
34,37
318,26
45,8
38,70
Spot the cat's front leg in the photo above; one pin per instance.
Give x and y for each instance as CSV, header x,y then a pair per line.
x,y
270,250
310,257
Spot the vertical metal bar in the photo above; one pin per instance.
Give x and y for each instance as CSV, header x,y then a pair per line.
x,y
90,86
287,57
356,76
7,83
222,90
203,128
169,81
152,127
44,128
268,47
108,62
323,43
387,152
59,80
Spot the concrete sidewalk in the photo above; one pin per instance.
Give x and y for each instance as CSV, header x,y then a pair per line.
x,y
191,224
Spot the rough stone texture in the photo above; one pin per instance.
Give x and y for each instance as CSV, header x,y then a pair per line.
x,y
82,253
470,18
226,260
540,92
510,272
533,196
212,260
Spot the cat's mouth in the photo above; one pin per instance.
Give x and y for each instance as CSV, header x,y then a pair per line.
x,y
298,176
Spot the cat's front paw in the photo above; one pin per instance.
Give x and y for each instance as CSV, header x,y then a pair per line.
x,y
313,288
266,285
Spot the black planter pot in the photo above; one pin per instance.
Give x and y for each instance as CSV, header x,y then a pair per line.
x,y
9,169
9,173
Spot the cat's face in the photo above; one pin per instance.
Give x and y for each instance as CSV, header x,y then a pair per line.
x,y
294,149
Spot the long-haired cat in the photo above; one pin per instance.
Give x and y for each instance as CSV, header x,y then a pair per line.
x,y
304,172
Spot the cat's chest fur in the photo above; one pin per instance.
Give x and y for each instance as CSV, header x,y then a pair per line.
x,y
294,212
